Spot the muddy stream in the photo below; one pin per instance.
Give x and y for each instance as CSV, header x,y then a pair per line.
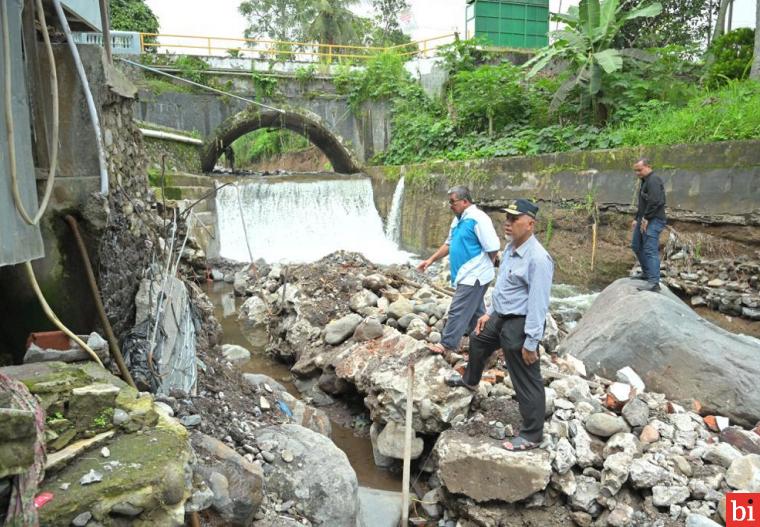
x,y
358,449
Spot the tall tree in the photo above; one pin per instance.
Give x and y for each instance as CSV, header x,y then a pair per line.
x,y
276,19
681,22
755,72
332,22
132,15
386,18
720,21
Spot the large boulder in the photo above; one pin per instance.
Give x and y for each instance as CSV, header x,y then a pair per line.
x,y
237,484
675,351
463,461
378,368
311,471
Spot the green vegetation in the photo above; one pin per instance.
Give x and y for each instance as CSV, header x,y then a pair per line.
x,y
265,143
729,113
132,15
731,56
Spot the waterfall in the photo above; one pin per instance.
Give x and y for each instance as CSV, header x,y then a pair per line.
x,y
302,218
393,224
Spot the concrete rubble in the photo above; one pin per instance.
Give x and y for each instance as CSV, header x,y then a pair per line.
x,y
615,452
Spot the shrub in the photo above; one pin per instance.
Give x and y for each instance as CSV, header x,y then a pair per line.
x,y
731,56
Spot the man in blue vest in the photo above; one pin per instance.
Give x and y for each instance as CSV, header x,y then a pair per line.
x,y
472,246
515,323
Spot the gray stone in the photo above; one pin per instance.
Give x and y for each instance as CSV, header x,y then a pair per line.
x,y
124,508
572,387
434,337
235,353
259,380
621,516
605,425
644,474
81,519
404,321
237,484
622,442
664,496
565,483
339,330
380,367
380,460
370,328
305,415
430,504
744,473
400,307
586,495
164,408
190,420
390,442
721,454
615,472
320,479
636,412
254,321
93,476
512,476
679,353
362,300
564,457
375,282
697,520
582,443
120,417
418,329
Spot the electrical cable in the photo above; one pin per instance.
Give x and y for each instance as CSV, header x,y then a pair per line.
x,y
199,85
53,318
10,124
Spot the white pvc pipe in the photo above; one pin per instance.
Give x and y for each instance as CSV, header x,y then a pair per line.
x,y
171,137
88,96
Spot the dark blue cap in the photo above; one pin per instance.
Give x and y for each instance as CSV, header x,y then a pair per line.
x,y
522,206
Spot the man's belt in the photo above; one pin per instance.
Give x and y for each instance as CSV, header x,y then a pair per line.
x,y
509,316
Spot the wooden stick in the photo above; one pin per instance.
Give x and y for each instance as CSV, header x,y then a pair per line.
x,y
407,448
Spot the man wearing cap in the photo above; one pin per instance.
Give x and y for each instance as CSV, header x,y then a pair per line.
x,y
515,322
472,245
649,223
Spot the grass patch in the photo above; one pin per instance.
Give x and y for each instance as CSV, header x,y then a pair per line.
x,y
727,114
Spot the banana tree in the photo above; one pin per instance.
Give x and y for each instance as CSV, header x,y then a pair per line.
x,y
585,47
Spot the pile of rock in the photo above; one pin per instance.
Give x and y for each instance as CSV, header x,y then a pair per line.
x,y
613,454
728,285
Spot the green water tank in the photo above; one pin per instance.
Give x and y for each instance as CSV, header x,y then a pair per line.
x,y
509,23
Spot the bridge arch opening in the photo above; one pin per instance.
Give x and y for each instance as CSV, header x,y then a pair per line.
x,y
301,122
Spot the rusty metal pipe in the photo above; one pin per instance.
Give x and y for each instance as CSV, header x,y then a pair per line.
x,y
112,342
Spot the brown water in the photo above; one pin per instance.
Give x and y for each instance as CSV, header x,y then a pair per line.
x,y
357,449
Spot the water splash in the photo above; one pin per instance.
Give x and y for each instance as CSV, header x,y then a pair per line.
x,y
568,303
393,224
301,218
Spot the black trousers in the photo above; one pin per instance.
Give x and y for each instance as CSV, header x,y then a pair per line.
x,y
508,333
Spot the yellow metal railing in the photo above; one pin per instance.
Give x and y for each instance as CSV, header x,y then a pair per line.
x,y
268,49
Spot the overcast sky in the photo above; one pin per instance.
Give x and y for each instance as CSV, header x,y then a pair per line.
x,y
220,18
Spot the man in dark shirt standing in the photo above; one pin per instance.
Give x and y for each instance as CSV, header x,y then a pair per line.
x,y
649,223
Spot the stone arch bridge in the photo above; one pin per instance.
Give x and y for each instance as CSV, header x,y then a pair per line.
x,y
348,137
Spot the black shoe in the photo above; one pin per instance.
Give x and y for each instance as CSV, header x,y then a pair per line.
x,y
638,276
455,381
649,287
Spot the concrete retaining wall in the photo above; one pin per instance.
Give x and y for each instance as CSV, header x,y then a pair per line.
x,y
716,183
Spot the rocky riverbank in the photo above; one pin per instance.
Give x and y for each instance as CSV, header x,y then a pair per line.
x,y
615,453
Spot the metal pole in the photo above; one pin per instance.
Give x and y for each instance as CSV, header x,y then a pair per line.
x,y
106,28
407,447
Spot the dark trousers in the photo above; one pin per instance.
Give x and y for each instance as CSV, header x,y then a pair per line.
x,y
466,308
509,335
646,247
